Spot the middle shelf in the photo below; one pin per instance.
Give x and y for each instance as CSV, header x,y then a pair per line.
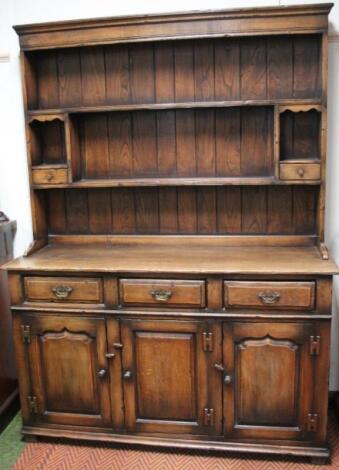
x,y
257,144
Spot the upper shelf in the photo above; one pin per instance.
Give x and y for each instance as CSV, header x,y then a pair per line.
x,y
42,114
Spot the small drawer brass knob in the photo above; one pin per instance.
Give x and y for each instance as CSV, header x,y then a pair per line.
x,y
62,292
49,176
301,172
161,295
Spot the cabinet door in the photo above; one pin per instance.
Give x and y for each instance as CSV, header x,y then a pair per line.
x,y
170,384
268,383
68,370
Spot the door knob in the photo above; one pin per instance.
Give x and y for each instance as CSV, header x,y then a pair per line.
x,y
102,373
228,379
127,374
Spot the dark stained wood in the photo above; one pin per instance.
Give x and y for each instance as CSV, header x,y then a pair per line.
x,y
299,18
158,396
258,354
162,293
178,288
209,210
67,387
272,295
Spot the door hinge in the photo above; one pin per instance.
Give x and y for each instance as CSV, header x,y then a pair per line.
x,y
312,422
33,404
26,333
207,341
208,416
314,345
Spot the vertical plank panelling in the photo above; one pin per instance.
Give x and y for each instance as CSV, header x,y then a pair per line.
x,y
228,145
147,210
205,142
144,144
228,210
142,73
184,210
168,210
166,143
184,71
256,151
304,209
185,136
56,211
279,67
99,211
52,141
206,210
48,92
123,211
227,69
254,209
187,210
306,134
69,77
120,144
306,79
164,72
203,70
76,211
279,209
95,146
117,74
93,76
253,69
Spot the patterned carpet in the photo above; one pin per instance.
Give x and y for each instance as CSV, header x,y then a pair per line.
x,y
78,456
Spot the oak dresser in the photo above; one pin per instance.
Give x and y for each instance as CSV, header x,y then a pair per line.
x,y
178,290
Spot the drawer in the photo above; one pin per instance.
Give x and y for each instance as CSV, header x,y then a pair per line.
x,y
272,295
166,293
300,171
63,289
49,176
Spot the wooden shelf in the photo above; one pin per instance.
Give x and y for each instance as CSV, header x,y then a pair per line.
x,y
198,181
39,114
193,255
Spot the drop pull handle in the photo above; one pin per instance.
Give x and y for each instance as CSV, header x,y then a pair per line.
x,y
127,374
161,295
62,292
102,373
269,297
219,367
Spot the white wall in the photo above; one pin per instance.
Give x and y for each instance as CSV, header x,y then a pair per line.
x,y
14,190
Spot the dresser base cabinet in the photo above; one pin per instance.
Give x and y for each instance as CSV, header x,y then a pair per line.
x,y
201,384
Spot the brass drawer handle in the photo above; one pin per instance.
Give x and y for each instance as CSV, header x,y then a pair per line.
x,y
161,295
269,297
62,292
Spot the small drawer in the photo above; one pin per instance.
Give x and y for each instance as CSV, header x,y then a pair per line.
x,y
300,171
163,293
272,295
49,176
63,289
